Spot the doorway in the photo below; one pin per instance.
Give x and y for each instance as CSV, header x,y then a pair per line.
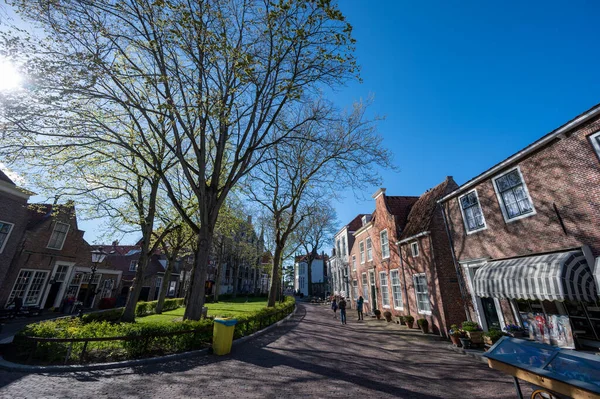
x,y
490,313
373,290
52,293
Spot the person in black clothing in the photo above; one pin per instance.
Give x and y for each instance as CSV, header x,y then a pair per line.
x,y
18,302
342,306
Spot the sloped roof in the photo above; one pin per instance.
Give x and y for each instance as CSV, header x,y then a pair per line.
x,y
356,223
422,212
400,207
38,213
5,178
302,258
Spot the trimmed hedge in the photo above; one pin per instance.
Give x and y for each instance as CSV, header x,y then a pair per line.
x,y
148,345
141,309
104,325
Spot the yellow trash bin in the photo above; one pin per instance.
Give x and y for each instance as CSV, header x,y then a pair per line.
x,y
223,335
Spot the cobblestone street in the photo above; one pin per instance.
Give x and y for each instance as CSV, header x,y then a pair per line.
x,y
312,355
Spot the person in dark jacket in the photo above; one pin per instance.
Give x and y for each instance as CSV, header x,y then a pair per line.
x,y
342,306
359,307
334,307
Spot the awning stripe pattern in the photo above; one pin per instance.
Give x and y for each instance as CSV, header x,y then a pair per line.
x,y
553,277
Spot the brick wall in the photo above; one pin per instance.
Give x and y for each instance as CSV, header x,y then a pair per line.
x,y
13,210
565,173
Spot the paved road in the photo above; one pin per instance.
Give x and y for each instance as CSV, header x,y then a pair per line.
x,y
312,355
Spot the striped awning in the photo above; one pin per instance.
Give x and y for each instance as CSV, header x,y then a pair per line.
x,y
554,277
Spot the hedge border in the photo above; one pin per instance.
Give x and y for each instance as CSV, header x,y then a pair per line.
x,y
20,368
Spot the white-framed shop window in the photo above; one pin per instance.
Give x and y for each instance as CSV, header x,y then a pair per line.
x,y
385,292
422,293
29,286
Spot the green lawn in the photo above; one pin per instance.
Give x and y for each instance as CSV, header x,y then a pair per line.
x,y
230,308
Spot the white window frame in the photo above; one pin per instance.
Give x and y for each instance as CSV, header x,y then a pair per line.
x,y
28,286
414,249
462,212
387,244
62,244
594,139
11,228
354,263
501,200
158,282
355,289
369,250
385,299
365,286
344,246
135,267
419,310
401,307
361,246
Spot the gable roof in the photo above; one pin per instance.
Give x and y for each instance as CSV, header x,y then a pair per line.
x,y
39,213
400,206
5,178
423,211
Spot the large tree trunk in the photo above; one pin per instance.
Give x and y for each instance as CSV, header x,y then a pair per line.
x,y
135,290
218,272
236,276
193,310
165,284
274,291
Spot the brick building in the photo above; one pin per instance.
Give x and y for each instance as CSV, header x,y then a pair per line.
x,y
526,232
53,262
13,221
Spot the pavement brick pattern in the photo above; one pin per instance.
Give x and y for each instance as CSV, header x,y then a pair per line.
x,y
310,356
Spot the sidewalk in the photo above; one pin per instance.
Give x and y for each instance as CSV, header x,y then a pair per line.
x,y
11,327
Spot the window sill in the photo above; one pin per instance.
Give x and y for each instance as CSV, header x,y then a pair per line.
x,y
425,312
385,257
386,306
476,231
398,308
526,215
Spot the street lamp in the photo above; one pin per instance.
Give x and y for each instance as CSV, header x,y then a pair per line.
x,y
98,256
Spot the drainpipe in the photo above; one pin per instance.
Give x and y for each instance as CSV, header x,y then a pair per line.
x,y
461,284
404,279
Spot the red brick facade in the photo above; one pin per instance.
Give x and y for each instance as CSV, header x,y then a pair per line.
x,y
562,174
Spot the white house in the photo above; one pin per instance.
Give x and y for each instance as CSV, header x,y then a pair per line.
x,y
318,275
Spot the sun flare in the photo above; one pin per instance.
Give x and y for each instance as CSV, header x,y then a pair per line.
x,y
10,78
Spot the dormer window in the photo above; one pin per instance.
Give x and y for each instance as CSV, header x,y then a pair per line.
x,y
59,234
366,219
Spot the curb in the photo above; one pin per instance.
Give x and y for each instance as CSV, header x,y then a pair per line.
x,y
478,355
23,368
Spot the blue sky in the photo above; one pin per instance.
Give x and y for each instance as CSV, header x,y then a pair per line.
x,y
463,85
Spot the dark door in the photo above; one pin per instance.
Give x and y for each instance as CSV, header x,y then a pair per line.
x,y
54,288
144,294
491,315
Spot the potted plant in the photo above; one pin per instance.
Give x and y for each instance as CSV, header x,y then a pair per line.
x,y
399,319
455,334
409,320
493,335
465,341
388,315
514,330
377,313
473,331
423,325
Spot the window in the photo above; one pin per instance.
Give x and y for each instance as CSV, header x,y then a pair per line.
x,y
369,249
365,287
59,234
396,292
339,252
5,229
385,292
61,273
595,139
385,245
107,289
414,247
301,282
133,265
355,289
87,276
172,287
512,195
422,293
76,280
361,246
343,246
354,262
158,281
28,286
471,212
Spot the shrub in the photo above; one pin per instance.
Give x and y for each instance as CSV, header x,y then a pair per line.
x,y
409,319
172,304
494,334
107,303
470,326
113,315
423,323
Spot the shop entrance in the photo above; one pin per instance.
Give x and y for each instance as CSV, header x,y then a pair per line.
x,y
490,313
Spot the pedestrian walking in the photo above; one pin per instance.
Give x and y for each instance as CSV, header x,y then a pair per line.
x,y
334,307
359,307
342,306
